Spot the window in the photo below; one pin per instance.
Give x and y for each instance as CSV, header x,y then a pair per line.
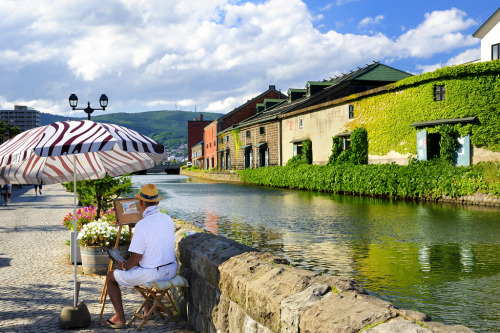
x,y
301,122
495,52
220,140
247,134
262,130
351,111
440,93
227,138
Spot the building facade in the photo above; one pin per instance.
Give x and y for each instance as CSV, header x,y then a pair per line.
x,y
197,155
210,145
489,33
195,133
23,117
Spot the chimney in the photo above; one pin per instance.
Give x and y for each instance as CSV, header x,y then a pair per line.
x,y
201,116
272,87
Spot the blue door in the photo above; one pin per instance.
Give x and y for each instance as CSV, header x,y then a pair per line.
x,y
463,151
422,145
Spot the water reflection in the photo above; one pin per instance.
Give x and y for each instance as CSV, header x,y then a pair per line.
x,y
438,259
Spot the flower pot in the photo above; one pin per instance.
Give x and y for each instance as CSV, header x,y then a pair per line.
x,y
78,254
95,259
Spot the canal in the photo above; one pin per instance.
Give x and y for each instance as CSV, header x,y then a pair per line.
x,y
441,260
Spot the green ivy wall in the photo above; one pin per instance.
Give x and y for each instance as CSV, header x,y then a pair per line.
x,y
471,90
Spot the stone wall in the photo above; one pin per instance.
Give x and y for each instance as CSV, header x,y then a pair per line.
x,y
235,288
224,176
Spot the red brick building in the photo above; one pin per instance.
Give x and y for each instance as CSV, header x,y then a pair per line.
x,y
237,115
195,133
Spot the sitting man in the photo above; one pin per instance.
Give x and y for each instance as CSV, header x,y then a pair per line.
x,y
152,247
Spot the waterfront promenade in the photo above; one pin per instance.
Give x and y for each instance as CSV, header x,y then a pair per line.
x,y
36,278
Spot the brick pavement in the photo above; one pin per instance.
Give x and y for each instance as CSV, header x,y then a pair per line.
x,y
36,278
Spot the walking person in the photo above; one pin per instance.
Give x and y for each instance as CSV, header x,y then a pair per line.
x,y
7,192
38,188
153,253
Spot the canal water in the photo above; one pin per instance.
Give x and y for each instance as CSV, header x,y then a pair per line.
x,y
441,260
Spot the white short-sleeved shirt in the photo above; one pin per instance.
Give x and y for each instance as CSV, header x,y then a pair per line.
x,y
154,238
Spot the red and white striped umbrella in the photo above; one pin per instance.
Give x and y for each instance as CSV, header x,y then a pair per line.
x,y
45,153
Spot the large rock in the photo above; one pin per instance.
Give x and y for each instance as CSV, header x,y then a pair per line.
x,y
344,312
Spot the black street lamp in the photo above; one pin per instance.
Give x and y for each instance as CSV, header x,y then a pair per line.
x,y
73,102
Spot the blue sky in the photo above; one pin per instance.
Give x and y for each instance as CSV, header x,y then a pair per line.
x,y
213,55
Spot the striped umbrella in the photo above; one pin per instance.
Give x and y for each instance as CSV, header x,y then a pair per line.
x,y
50,153
75,150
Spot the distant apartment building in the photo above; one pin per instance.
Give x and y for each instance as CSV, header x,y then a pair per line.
x,y
23,117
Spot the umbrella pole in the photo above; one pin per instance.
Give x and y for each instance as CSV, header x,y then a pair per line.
x,y
75,297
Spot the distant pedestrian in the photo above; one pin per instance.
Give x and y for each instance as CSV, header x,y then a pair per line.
x,y
7,192
38,188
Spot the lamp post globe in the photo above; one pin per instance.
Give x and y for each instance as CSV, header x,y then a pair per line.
x,y
73,101
103,100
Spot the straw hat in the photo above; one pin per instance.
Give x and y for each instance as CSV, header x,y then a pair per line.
x,y
149,193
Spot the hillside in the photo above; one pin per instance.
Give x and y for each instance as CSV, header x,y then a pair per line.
x,y
166,127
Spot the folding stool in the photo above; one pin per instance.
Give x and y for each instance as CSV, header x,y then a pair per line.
x,y
153,293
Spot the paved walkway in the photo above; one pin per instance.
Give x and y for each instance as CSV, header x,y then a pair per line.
x,y
36,278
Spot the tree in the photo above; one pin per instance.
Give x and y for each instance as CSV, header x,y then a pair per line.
x,y
12,131
100,192
3,130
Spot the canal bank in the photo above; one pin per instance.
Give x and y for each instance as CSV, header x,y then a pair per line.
x,y
439,259
235,288
477,199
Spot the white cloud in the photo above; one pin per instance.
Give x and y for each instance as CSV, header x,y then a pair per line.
x,y
440,32
462,58
367,21
215,54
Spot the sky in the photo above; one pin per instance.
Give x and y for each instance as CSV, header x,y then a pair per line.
x,y
214,55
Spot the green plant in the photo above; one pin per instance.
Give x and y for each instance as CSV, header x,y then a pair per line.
x,y
337,150
448,143
359,146
417,180
307,151
100,192
237,143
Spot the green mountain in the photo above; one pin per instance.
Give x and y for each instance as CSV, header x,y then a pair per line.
x,y
167,127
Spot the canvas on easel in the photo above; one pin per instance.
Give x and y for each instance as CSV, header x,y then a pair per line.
x,y
128,212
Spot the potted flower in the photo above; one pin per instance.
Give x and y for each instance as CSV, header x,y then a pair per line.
x,y
84,215
95,239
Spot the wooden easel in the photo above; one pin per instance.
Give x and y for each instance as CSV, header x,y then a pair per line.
x,y
128,212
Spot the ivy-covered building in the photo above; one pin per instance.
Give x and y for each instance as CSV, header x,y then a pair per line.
x,y
260,141
414,117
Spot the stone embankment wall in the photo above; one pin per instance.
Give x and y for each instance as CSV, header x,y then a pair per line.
x,y
232,177
478,199
235,288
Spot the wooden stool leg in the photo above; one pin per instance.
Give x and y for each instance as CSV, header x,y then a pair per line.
x,y
171,301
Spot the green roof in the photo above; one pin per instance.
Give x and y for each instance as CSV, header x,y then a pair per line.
x,y
372,72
